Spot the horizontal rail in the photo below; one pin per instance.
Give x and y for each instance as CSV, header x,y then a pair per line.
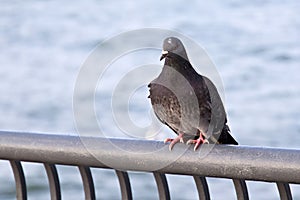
x,y
225,161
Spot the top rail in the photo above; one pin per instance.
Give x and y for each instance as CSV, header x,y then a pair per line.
x,y
225,161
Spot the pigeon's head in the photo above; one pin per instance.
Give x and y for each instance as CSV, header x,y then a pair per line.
x,y
174,45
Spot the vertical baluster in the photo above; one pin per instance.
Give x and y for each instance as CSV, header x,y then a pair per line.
x,y
162,186
284,191
19,179
53,180
241,189
124,185
88,183
202,188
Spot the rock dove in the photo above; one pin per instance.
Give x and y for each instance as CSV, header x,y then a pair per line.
x,y
186,101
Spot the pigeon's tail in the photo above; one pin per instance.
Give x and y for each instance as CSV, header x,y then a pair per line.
x,y
225,137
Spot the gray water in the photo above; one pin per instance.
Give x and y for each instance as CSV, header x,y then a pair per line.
x,y
255,47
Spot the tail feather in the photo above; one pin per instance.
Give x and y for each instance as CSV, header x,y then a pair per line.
x,y
225,137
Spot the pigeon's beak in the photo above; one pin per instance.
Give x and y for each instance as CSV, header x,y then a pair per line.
x,y
163,54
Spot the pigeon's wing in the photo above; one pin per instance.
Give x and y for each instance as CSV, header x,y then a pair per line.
x,y
216,104
218,128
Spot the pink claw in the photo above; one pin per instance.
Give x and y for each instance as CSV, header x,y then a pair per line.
x,y
174,141
198,142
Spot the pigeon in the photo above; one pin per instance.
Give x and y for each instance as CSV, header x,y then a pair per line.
x,y
187,102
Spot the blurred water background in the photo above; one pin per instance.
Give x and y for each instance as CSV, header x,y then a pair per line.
x,y
255,46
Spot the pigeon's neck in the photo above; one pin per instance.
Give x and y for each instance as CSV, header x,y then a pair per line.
x,y
180,64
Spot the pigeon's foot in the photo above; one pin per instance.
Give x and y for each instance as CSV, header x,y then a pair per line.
x,y
200,140
174,141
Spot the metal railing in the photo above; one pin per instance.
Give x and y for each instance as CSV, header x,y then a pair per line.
x,y
239,163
